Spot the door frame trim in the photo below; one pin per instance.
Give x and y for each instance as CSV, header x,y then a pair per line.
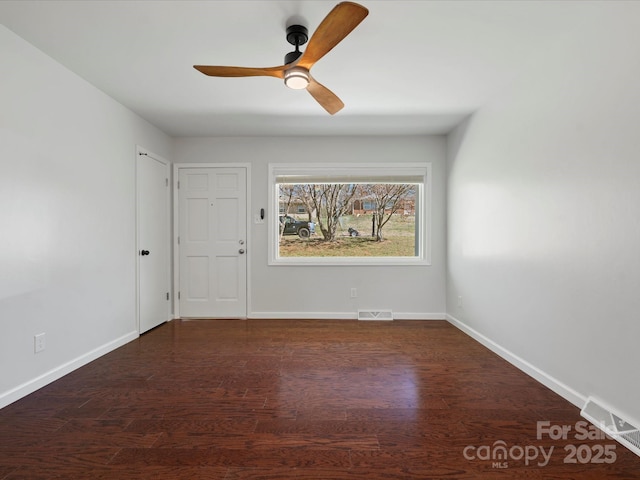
x,y
176,226
143,151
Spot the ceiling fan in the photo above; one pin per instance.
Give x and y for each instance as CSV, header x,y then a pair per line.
x,y
296,71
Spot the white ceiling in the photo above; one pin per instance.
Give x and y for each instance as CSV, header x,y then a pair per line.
x,y
411,67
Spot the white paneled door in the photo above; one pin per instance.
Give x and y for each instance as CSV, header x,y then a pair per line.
x,y
154,240
212,209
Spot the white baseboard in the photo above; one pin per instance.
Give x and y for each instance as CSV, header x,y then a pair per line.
x,y
303,315
341,315
31,386
419,316
547,380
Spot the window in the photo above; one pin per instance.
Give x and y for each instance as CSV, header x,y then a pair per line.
x,y
348,214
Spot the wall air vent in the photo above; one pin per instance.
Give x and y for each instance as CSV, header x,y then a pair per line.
x,y
612,424
375,315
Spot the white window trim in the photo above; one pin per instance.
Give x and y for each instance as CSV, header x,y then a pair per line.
x,y
376,172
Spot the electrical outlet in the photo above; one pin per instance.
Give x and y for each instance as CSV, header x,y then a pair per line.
x,y
39,342
459,301
354,292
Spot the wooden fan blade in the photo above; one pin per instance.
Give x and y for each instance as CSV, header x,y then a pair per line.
x,y
215,71
332,30
325,97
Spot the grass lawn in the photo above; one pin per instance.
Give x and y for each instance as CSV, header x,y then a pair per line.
x,y
398,241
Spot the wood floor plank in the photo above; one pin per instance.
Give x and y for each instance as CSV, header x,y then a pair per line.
x,y
303,399
275,457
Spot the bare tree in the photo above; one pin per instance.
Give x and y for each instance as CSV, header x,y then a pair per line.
x,y
330,201
301,196
387,199
287,194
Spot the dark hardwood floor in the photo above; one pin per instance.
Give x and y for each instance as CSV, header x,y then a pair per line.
x,y
282,399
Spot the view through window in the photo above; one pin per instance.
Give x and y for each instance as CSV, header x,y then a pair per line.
x,y
369,215
347,220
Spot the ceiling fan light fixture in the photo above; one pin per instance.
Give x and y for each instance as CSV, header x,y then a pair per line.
x,y
296,78
334,28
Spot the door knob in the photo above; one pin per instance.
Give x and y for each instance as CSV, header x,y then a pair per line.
x,y
241,251
144,252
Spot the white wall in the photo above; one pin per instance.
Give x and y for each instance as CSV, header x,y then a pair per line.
x,y
410,291
67,218
544,216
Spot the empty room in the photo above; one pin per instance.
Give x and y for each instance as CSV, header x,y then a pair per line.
x,y
425,266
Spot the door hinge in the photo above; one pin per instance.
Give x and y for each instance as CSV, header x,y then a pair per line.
x,y
178,295
167,295
178,240
166,182
178,184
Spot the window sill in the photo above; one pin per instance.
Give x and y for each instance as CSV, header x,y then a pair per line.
x,y
349,261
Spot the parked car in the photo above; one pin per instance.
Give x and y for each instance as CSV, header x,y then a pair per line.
x,y
291,226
